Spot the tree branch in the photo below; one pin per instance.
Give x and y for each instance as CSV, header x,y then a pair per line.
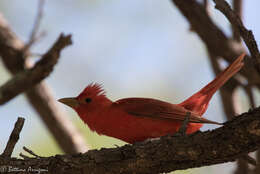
x,y
14,137
28,78
56,120
195,13
40,96
215,40
237,137
227,93
236,22
36,26
237,5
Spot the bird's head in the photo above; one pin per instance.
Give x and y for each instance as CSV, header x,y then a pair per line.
x,y
91,100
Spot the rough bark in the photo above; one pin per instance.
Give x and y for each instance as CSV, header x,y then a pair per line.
x,y
225,144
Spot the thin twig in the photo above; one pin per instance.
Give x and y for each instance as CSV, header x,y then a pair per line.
x,y
228,103
31,152
246,34
215,39
227,91
40,97
14,137
36,26
24,156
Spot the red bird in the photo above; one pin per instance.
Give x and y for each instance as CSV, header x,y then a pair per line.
x,y
137,119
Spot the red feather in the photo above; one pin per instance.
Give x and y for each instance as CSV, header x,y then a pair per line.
x,y
136,119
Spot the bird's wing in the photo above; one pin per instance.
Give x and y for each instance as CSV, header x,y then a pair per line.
x,y
156,109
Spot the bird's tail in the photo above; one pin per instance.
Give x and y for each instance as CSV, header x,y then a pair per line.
x,y
199,101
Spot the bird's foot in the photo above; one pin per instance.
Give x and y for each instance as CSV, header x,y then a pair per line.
x,y
182,130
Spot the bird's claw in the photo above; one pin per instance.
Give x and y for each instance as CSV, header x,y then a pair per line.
x,y
182,130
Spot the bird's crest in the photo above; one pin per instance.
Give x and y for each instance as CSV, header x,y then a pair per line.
x,y
94,89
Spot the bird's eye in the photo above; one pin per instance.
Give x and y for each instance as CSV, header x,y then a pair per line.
x,y
88,100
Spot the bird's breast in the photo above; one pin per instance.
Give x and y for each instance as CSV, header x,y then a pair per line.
x,y
129,128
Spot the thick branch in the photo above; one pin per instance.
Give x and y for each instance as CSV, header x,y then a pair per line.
x,y
14,137
40,96
236,22
237,5
65,133
227,143
215,40
209,32
29,78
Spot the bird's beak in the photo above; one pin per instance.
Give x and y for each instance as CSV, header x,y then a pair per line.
x,y
71,102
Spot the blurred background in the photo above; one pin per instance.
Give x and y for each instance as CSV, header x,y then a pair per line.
x,y
134,48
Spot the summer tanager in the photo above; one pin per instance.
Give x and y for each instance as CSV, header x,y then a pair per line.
x,y
137,119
